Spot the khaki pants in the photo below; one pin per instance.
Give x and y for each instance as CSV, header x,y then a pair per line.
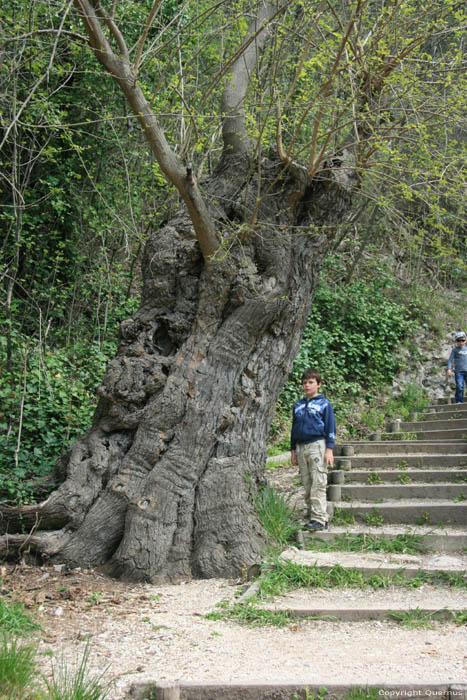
x,y
314,475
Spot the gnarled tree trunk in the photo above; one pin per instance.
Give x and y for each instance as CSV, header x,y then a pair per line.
x,y
160,486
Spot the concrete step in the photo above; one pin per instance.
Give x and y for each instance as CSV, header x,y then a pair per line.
x,y
432,538
409,512
451,434
455,476
401,460
449,414
377,492
387,447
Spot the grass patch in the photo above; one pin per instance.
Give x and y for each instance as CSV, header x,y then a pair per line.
x,y
322,692
271,466
278,449
343,516
364,694
413,619
424,519
18,669
277,516
20,677
79,685
279,577
459,617
248,614
362,542
374,518
399,436
15,621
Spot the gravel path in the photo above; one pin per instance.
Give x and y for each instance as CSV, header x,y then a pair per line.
x,y
159,633
141,633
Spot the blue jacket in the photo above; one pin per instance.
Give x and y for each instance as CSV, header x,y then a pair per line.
x,y
313,419
459,356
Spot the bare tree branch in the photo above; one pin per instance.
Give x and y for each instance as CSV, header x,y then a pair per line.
x,y
232,106
177,174
44,76
36,32
144,34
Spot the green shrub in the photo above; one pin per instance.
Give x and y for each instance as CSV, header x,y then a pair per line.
x,y
48,399
352,336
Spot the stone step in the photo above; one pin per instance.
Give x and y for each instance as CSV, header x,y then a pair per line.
x,y
449,414
371,563
398,460
402,475
450,690
447,424
421,434
363,614
410,512
431,538
376,492
443,407
387,447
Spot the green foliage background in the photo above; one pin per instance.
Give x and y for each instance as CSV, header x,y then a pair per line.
x,y
354,333
80,191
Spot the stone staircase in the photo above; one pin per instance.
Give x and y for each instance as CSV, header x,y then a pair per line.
x,y
410,480
416,481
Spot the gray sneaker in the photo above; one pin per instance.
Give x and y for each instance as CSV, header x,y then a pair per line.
x,y
316,526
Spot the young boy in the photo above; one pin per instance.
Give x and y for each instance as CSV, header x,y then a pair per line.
x,y
459,357
311,444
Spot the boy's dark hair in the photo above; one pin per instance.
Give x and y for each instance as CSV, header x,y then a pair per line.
x,y
312,374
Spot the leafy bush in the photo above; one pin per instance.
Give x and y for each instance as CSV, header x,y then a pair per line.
x,y
411,400
353,336
47,399
48,394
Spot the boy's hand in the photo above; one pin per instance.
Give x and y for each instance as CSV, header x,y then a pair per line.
x,y
449,372
293,458
329,458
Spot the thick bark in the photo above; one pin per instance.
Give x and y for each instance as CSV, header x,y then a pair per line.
x,y
161,485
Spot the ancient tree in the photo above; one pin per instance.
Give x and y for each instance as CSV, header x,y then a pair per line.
x,y
161,484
